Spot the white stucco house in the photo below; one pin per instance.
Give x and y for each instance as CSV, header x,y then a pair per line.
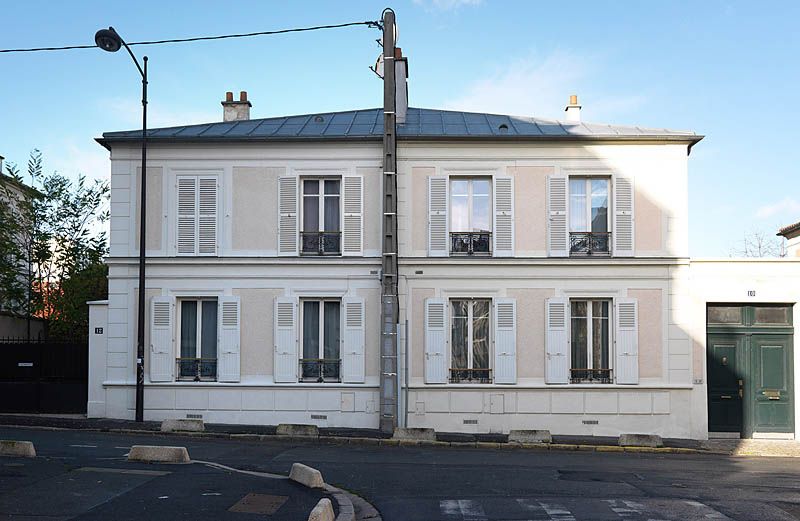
x,y
544,275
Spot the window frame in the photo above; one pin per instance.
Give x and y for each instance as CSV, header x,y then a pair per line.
x,y
321,196
590,335
198,332
470,195
587,179
471,339
320,334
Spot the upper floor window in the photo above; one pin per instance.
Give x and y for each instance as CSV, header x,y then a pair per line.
x,y
321,358
469,338
197,215
197,339
589,226
470,215
321,217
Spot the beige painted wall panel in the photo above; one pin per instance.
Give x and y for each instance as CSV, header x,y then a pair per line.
x,y
530,330
651,349
417,324
419,207
256,336
155,207
372,207
254,212
372,304
530,206
649,224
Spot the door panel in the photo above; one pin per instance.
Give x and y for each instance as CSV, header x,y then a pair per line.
x,y
771,390
724,374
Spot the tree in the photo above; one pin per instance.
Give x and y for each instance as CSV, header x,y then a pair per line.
x,y
757,244
53,246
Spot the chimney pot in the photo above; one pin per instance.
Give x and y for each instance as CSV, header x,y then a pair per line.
x,y
573,100
243,95
229,96
573,110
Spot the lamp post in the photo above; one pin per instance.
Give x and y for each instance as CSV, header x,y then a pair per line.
x,y
109,40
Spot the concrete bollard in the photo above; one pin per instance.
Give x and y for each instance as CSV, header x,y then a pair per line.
x,y
158,454
305,475
323,511
297,430
182,424
530,436
20,449
414,433
640,440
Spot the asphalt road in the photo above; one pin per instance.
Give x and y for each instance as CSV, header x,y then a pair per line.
x,y
418,484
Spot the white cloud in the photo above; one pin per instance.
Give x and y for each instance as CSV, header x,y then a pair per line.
x,y
446,5
787,206
540,86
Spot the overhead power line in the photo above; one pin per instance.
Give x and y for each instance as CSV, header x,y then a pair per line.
x,y
375,24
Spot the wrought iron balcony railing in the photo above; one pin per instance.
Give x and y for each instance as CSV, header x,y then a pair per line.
x,y
594,376
197,369
481,376
470,243
320,370
589,243
321,243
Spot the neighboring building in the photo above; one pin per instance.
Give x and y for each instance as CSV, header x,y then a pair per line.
x,y
544,279
792,235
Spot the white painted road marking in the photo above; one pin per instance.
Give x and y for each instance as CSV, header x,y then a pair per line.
x,y
123,471
84,446
465,509
557,512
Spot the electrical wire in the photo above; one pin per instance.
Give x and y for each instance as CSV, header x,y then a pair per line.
x,y
374,24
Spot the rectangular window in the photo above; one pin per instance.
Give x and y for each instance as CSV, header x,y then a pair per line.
x,y
197,200
588,216
725,314
590,341
321,358
321,217
198,340
469,338
470,215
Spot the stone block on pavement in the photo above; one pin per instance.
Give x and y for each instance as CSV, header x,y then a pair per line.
x,y
297,430
323,511
182,424
305,475
414,433
158,454
530,436
640,440
22,449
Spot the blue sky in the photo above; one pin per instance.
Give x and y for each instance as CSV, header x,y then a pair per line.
x,y
724,69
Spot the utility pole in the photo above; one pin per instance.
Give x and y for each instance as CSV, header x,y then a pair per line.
x,y
389,300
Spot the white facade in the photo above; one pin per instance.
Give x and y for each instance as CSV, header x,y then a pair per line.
x,y
240,243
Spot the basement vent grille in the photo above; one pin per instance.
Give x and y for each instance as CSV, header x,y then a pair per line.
x,y
470,422
195,416
590,422
319,416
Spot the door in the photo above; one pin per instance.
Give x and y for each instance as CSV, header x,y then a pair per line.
x,y
725,379
771,390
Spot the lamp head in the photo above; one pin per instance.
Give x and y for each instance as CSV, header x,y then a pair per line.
x,y
108,40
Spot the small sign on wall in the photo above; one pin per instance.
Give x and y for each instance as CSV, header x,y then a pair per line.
x,y
98,331
751,293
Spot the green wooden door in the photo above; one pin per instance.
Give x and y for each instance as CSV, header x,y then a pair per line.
x,y
771,392
725,372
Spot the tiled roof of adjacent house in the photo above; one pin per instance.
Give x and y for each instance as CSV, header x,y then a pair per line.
x,y
421,124
793,230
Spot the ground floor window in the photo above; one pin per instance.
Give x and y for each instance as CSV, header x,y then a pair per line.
x,y
590,341
321,359
469,340
198,339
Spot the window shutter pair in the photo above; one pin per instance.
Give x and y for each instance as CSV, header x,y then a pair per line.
x,y
437,332
287,344
558,217
162,339
352,216
197,215
439,222
557,341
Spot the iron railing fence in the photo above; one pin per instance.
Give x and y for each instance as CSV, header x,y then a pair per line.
x,y
197,369
589,243
321,243
470,243
320,370
599,376
483,376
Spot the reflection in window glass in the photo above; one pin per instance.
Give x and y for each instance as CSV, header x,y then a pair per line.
x,y
599,205
577,205
580,335
772,315
480,334
724,314
460,334
470,205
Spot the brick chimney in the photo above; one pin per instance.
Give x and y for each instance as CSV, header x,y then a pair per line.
x,y
236,110
573,110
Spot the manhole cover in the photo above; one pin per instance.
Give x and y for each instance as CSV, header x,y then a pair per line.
x,y
254,503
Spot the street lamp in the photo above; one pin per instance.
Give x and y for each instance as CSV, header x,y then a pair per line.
x,y
109,40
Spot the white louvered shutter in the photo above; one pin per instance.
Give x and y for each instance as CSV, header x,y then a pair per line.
x,y
228,344
435,341
556,369
623,217
187,215
557,230
162,335
353,340
627,341
503,217
286,359
207,216
353,218
437,217
287,218
505,341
